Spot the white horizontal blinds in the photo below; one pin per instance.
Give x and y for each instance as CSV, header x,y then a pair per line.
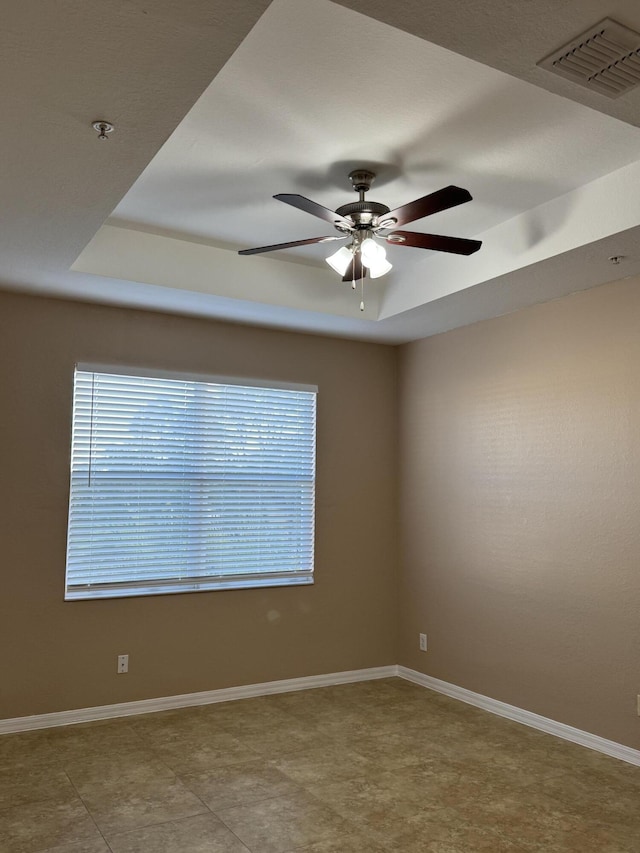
x,y
181,484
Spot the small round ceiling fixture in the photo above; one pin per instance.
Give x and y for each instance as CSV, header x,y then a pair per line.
x,y
102,128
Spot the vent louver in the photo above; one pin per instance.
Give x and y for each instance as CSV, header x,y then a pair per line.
x,y
605,59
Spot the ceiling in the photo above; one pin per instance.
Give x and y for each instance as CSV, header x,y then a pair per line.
x,y
217,109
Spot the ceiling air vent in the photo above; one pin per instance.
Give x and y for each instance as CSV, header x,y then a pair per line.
x,y
605,59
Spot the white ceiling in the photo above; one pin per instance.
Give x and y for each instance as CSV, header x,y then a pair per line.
x,y
313,90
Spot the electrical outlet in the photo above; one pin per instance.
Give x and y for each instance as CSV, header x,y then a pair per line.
x,y
123,663
423,642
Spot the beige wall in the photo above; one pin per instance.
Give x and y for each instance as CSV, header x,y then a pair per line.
x,y
58,655
519,500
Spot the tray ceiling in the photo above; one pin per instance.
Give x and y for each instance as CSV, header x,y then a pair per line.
x,y
293,99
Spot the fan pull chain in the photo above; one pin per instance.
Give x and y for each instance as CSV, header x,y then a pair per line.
x,y
362,288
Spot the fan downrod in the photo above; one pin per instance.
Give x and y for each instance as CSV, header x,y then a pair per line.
x,y
363,213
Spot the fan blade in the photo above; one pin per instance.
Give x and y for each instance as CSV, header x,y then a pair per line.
x,y
307,242
308,206
457,245
355,270
441,200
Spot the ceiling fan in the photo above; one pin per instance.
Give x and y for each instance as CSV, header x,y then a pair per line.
x,y
363,221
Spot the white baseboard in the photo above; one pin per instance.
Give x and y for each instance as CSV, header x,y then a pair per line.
x,y
187,700
227,694
527,718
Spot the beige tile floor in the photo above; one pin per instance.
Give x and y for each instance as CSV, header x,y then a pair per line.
x,y
360,768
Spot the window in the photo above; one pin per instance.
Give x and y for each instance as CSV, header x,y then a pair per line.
x,y
181,484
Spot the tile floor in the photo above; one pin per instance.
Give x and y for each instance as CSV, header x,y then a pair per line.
x,y
359,768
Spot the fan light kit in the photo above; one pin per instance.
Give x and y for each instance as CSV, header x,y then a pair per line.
x,y
365,222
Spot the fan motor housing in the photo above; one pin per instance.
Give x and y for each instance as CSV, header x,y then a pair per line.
x,y
363,213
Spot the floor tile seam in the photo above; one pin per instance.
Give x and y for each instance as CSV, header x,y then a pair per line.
x,y
237,730
246,804
266,737
115,835
38,802
49,848
146,825
237,837
308,793
107,834
88,811
66,766
239,805
181,771
250,803
45,799
233,762
268,755
228,828
202,771
156,739
68,770
86,755
123,781
352,750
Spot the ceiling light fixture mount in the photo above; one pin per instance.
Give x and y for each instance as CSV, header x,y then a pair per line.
x,y
102,128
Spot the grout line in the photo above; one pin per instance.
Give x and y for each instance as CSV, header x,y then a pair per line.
x,y
146,825
159,823
95,823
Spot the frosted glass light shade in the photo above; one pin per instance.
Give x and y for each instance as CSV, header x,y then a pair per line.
x,y
340,260
379,267
371,252
374,257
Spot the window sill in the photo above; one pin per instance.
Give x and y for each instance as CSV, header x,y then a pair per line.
x,y
131,590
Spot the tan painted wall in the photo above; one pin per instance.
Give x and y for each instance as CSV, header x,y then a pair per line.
x,y
519,500
58,655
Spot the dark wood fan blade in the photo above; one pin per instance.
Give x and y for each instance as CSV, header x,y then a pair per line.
x,y
355,270
314,209
457,245
441,200
306,242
